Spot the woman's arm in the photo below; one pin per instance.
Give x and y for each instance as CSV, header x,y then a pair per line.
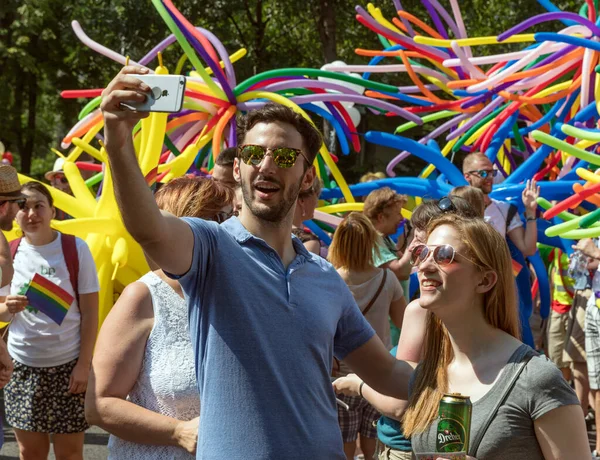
x,y
409,349
562,433
115,368
88,308
397,308
11,305
5,315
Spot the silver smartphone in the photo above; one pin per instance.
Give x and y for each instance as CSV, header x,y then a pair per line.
x,y
166,94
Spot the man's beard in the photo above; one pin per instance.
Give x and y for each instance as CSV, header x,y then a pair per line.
x,y
273,214
6,224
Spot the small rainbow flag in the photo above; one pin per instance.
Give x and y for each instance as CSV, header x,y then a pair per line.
x,y
516,267
49,298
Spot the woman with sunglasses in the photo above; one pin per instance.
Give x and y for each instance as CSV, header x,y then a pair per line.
x,y
393,444
522,406
305,210
143,387
51,361
379,296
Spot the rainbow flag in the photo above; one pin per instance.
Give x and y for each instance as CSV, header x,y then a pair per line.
x,y
49,298
516,267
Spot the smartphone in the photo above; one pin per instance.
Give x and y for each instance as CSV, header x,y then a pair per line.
x,y
166,94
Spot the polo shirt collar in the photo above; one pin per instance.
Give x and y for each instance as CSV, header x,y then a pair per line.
x,y
235,228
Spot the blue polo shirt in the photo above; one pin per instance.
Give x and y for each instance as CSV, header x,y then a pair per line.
x,y
264,338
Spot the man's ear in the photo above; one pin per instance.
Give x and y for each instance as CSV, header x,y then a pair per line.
x,y
236,170
489,278
308,179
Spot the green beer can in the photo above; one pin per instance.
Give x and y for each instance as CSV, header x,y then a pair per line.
x,y
454,427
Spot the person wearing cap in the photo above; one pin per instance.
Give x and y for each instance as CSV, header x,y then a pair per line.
x,y
57,177
59,181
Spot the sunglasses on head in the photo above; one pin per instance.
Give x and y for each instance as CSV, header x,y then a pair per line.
x,y
484,173
443,254
446,205
284,157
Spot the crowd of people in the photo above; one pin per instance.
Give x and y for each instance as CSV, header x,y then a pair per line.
x,y
250,339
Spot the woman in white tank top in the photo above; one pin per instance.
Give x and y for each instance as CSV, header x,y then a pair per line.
x,y
143,385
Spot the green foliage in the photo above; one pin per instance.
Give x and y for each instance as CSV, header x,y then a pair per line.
x,y
40,55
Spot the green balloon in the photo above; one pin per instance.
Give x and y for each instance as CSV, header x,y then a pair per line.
x,y
92,105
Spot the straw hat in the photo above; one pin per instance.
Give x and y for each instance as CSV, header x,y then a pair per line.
x,y
58,168
10,188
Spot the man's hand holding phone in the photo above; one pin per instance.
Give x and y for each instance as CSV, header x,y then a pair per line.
x,y
123,89
132,94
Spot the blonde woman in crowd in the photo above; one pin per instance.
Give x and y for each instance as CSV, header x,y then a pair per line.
x,y
522,406
379,295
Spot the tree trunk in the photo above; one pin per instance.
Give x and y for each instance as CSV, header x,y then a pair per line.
x,y
326,25
29,141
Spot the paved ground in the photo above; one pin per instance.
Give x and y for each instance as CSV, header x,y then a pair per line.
x,y
95,442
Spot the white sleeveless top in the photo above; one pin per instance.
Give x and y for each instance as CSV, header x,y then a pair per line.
x,y
167,380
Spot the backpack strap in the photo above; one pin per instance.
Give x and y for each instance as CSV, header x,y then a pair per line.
x,y
372,302
69,248
14,246
512,211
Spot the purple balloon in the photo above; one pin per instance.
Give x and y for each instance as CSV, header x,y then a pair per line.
x,y
307,83
204,55
544,17
406,23
401,39
435,18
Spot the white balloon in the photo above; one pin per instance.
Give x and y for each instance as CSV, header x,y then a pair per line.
x,y
351,86
354,115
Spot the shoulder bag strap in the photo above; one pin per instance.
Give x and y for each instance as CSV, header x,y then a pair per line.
x,y
372,302
475,444
14,246
69,248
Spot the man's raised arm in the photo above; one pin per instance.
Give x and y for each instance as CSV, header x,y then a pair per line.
x,y
166,239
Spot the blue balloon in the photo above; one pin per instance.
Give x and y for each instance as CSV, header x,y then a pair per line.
x,y
551,190
426,153
554,241
552,8
318,231
500,136
532,164
339,131
413,285
524,294
543,284
412,186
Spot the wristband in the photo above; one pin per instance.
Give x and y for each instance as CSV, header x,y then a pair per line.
x,y
530,219
360,389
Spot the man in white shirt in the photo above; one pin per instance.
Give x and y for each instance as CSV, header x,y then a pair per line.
x,y
479,173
